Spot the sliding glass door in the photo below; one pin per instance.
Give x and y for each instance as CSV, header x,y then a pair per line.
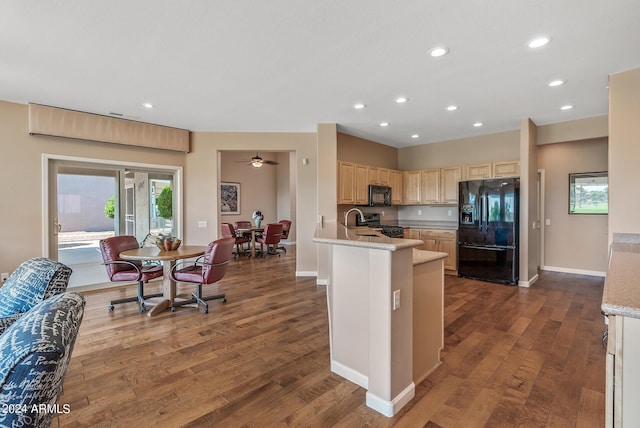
x,y
89,202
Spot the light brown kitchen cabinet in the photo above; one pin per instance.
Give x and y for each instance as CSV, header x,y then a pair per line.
x,y
430,186
449,179
438,240
395,181
353,183
346,183
477,172
506,169
362,184
411,184
378,176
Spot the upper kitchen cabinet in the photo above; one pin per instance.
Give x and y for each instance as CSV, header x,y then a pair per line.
x,y
506,169
477,172
411,183
449,179
353,181
395,181
491,170
379,176
430,186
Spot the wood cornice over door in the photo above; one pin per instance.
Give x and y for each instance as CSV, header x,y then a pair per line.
x,y
58,122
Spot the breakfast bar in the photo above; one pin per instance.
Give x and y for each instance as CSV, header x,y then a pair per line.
x,y
374,300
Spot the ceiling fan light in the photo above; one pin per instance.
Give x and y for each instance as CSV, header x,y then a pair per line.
x,y
256,163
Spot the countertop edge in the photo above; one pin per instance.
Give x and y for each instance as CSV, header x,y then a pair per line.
x,y
422,256
621,295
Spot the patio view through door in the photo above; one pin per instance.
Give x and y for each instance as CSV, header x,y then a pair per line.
x,y
89,202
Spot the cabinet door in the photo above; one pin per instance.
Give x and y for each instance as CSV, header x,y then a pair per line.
x,y
413,234
411,184
448,245
362,184
450,177
373,175
383,177
346,183
395,181
430,186
506,169
477,172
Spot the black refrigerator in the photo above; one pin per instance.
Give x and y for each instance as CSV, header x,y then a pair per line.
x,y
488,230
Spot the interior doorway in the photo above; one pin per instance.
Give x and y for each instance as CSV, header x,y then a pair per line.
x,y
89,201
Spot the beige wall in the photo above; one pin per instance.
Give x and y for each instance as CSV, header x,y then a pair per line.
x,y
21,216
574,130
258,186
572,242
202,177
359,150
624,152
484,148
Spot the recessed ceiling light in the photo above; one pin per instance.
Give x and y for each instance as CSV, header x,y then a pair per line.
x,y
452,108
439,51
148,105
556,83
415,136
539,42
402,100
359,106
384,124
567,107
477,124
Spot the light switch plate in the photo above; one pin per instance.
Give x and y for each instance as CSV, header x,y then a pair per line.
x,y
202,223
396,300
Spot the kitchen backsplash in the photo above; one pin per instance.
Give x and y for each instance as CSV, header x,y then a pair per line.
x,y
428,213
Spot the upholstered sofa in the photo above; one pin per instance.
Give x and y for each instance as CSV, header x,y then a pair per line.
x,y
34,355
32,282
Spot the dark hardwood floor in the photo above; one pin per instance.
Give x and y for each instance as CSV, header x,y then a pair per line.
x,y
513,357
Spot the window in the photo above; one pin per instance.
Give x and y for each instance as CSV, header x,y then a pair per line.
x,y
589,193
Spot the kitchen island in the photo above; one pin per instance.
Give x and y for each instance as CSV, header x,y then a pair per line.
x,y
373,305
621,306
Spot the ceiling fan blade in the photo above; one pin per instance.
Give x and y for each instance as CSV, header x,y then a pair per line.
x,y
268,162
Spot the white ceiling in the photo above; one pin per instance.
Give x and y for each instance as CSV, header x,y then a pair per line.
x,y
287,65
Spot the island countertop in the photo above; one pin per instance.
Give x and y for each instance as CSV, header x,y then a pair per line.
x,y
363,237
621,294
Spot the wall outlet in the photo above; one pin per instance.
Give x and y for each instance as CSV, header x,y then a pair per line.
x,y
4,276
382,213
202,223
449,213
419,212
547,222
396,300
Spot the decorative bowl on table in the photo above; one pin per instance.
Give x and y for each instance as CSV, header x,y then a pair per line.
x,y
170,243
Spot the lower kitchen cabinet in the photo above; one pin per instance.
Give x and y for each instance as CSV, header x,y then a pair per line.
x,y
438,240
622,372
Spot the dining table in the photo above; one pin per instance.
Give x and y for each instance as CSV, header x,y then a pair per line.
x,y
168,259
253,231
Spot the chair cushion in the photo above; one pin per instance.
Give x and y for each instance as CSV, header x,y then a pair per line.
x,y
32,282
34,356
189,274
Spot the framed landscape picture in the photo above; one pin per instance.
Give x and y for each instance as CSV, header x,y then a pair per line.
x,y
229,198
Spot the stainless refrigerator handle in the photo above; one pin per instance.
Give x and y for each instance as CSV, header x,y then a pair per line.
x,y
476,247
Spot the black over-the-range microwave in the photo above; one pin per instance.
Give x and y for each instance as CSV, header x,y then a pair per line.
x,y
379,196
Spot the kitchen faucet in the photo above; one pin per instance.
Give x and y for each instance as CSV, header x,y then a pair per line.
x,y
346,215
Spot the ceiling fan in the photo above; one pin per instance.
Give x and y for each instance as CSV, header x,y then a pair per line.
x,y
257,161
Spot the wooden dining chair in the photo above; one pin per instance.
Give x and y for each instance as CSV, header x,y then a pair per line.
x,y
127,271
207,269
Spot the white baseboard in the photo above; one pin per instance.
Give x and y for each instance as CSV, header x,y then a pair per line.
x,y
322,281
575,271
529,283
350,374
306,273
390,408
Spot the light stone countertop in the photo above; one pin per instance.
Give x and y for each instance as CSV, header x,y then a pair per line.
x,y
363,237
422,256
621,294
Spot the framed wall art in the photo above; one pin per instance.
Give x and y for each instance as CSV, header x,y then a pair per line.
x,y
229,198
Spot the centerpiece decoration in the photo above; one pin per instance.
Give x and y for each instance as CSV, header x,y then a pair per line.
x,y
257,217
168,243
